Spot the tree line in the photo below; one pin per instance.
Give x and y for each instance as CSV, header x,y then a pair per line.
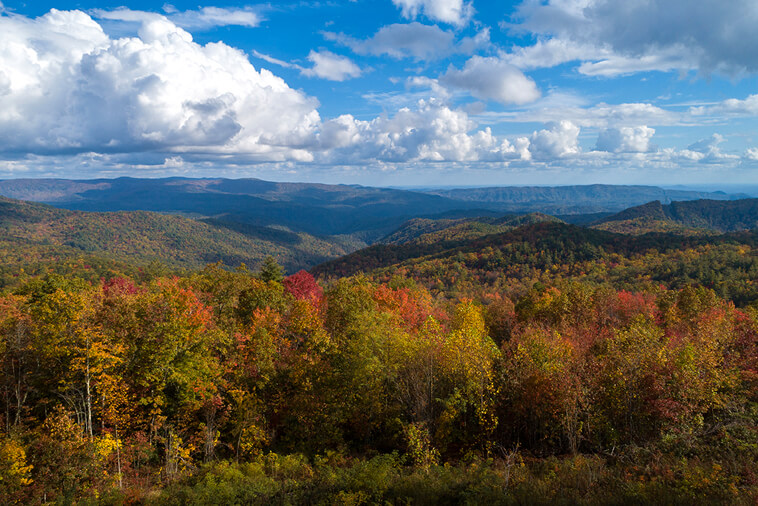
x,y
258,388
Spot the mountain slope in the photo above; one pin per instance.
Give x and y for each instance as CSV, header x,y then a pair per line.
x,y
142,237
549,253
696,216
428,231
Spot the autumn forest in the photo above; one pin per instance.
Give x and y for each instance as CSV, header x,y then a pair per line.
x,y
467,360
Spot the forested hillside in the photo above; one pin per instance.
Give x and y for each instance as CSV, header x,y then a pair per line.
x,y
228,388
428,231
684,217
35,237
503,360
548,252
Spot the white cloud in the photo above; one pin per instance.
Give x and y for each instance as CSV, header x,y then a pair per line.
x,y
554,108
275,61
433,86
490,78
616,65
708,151
708,35
73,96
208,17
454,12
328,65
162,100
412,40
729,107
557,141
551,52
70,88
625,139
201,19
431,132
752,154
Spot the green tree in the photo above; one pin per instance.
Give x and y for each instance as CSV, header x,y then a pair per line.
x,y
271,270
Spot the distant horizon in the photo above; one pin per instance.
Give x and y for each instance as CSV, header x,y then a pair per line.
x,y
749,189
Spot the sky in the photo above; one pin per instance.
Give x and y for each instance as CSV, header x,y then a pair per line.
x,y
382,92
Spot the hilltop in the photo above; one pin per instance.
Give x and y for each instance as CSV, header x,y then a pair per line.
x,y
429,231
36,235
689,217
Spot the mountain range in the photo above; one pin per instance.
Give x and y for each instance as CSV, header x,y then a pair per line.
x,y
189,222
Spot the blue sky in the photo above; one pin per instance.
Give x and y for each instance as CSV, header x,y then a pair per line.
x,y
383,92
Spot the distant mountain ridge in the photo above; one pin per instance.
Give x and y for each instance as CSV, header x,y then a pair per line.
x,y
706,215
303,224
575,199
316,209
324,209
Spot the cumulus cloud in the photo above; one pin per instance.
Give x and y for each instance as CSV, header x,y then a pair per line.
x,y
328,65
490,78
708,151
160,101
454,12
558,140
708,35
625,139
412,40
69,88
430,132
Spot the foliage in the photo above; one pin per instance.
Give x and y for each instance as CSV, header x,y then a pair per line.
x,y
220,386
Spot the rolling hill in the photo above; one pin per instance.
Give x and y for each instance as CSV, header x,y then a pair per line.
x,y
430,231
691,217
38,234
552,252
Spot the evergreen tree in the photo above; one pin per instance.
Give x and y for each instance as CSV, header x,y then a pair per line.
x,y
271,270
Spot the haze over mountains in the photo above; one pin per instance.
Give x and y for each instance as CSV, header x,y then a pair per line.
x,y
330,209
304,224
594,198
